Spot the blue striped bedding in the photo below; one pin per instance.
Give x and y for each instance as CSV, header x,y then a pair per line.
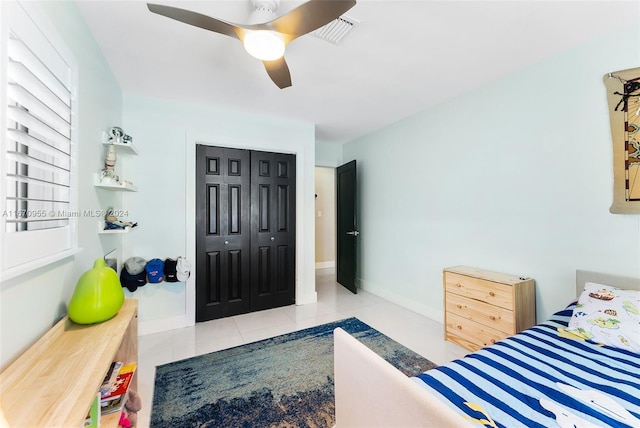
x,y
507,380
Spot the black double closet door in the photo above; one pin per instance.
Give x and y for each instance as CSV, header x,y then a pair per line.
x,y
245,231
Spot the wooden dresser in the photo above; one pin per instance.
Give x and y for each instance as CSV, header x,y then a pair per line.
x,y
482,307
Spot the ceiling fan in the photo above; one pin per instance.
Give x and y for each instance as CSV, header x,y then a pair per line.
x,y
266,35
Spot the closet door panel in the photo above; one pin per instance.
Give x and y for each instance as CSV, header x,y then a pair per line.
x,y
223,232
214,277
273,228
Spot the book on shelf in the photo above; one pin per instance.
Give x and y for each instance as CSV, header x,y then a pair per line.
x,y
93,417
111,377
116,396
113,405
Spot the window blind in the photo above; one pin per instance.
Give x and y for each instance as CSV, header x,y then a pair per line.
x,y
38,141
38,165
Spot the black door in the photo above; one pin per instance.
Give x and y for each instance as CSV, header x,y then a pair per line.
x,y
245,231
273,222
223,232
346,226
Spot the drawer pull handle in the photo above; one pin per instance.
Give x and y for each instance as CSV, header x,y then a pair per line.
x,y
458,285
492,294
459,306
493,341
492,318
459,327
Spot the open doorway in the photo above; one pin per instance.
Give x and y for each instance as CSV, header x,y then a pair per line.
x,y
325,213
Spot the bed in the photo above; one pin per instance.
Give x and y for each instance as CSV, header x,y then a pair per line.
x,y
545,376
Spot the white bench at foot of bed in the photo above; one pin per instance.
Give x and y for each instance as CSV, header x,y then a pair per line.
x,y
370,392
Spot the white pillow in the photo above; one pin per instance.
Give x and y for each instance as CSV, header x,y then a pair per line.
x,y
608,315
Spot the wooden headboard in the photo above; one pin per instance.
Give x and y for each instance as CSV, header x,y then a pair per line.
x,y
624,282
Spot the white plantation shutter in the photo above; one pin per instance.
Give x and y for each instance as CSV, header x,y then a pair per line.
x,y
38,192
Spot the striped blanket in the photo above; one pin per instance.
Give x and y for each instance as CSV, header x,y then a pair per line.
x,y
511,383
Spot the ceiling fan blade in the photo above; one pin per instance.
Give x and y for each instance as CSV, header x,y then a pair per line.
x,y
310,16
196,19
278,70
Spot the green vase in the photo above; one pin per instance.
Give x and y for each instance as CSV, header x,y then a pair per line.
x,y
98,295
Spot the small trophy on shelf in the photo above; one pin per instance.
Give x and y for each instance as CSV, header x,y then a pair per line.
x,y
108,174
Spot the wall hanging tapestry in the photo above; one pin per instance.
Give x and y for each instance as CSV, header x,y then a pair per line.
x,y
623,95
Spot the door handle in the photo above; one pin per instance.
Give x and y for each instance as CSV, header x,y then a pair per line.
x,y
353,233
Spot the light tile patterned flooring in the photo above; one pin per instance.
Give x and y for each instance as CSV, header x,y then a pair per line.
x,y
415,331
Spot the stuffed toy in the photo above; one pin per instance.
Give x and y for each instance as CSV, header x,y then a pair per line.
x,y
124,421
132,406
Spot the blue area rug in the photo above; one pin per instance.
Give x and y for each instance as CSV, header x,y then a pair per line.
x,y
284,381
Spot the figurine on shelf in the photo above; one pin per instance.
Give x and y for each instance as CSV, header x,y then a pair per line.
x,y
111,221
117,135
108,175
115,138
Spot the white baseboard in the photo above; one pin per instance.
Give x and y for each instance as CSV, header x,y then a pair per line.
x,y
324,265
307,299
164,324
412,305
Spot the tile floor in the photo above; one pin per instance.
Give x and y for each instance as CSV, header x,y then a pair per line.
x,y
415,331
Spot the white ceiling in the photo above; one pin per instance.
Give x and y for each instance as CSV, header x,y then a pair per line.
x,y
404,57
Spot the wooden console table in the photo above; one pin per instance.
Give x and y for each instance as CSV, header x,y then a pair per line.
x,y
54,383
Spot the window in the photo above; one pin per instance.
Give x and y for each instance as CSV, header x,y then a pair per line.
x,y
38,193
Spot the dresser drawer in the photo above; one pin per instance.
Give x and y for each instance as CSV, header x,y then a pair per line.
x,y
498,318
482,307
470,334
490,292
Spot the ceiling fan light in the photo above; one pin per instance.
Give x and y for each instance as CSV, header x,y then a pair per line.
x,y
264,45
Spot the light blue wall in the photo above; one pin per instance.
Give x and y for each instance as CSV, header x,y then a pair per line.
x,y
328,154
166,133
31,303
514,177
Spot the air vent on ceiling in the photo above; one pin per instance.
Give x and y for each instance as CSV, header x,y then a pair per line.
x,y
335,31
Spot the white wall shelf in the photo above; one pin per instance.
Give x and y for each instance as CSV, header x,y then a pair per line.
x,y
124,185
124,147
127,148
103,231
